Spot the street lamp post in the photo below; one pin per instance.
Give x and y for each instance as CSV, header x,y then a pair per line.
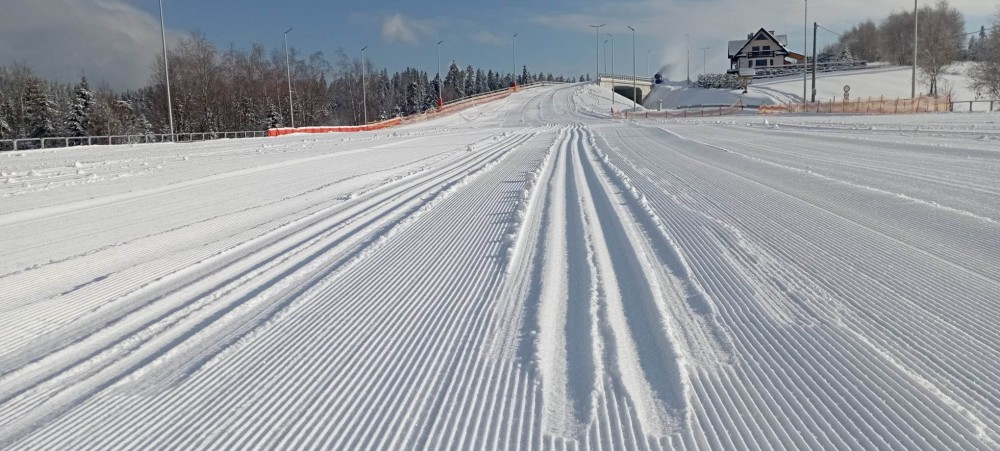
x,y
647,62
689,58
613,99
597,49
704,59
364,85
913,81
805,45
634,102
440,98
605,56
166,72
513,53
288,71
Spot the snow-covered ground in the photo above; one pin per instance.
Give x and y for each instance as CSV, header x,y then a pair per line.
x,y
891,82
524,274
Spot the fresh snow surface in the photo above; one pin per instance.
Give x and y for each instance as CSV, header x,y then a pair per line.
x,y
521,275
891,82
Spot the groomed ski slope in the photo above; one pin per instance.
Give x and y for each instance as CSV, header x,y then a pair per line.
x,y
521,275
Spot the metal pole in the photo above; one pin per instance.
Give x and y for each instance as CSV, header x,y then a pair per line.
x,y
815,29
606,56
647,62
288,69
634,102
166,71
913,83
613,99
597,49
440,98
364,85
805,45
513,52
704,59
688,58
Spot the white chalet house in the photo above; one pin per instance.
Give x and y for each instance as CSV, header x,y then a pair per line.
x,y
761,50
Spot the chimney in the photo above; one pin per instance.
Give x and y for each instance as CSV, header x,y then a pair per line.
x,y
750,36
770,31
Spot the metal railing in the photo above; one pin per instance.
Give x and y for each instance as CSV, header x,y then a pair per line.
x,y
625,77
109,140
993,104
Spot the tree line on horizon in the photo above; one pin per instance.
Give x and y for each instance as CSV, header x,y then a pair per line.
x,y
941,41
216,90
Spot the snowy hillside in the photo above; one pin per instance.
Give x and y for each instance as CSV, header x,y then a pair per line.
x,y
526,274
891,82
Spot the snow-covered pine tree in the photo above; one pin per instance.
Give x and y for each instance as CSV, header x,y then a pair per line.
x,y
525,76
39,111
274,118
78,118
470,81
6,115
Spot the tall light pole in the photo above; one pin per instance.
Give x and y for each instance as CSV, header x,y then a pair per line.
x,y
513,53
913,82
605,56
805,45
440,98
689,57
647,62
597,49
288,71
613,99
704,59
364,85
166,71
634,102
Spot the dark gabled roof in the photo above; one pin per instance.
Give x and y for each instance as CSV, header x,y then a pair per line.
x,y
736,46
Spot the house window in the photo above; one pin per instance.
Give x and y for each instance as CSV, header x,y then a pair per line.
x,y
749,63
767,47
756,49
761,63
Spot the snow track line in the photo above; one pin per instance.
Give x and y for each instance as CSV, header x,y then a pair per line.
x,y
172,346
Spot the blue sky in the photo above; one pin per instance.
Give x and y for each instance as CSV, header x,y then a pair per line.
x,y
116,40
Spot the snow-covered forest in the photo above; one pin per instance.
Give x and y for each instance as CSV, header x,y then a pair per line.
x,y
215,89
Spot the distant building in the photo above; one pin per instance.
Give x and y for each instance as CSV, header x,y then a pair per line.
x,y
761,50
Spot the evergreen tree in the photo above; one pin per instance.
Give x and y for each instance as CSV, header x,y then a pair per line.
x,y
525,76
274,118
78,119
39,111
6,118
469,88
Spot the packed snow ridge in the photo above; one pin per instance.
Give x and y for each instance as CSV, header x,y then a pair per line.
x,y
526,274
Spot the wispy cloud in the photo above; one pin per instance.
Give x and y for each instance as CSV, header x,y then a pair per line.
x,y
110,40
486,37
399,28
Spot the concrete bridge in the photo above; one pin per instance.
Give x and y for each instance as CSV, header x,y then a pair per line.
x,y
623,84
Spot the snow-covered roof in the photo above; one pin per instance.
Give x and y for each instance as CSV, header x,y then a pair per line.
x,y
736,46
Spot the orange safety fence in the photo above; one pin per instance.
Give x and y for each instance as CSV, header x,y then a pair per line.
x,y
685,113
448,108
869,105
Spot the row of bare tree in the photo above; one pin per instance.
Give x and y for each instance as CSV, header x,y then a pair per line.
x,y
941,40
233,89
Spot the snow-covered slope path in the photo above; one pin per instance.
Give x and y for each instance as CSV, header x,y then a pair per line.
x,y
521,275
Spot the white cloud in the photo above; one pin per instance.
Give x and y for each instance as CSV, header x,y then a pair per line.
x,y
110,40
399,28
486,37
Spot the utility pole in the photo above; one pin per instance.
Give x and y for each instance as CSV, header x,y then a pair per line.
x,y
633,68
166,72
440,99
288,70
805,45
613,99
513,52
647,63
916,20
605,56
815,29
364,85
597,49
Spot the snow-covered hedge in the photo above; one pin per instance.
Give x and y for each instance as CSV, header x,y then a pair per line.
x,y
719,81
